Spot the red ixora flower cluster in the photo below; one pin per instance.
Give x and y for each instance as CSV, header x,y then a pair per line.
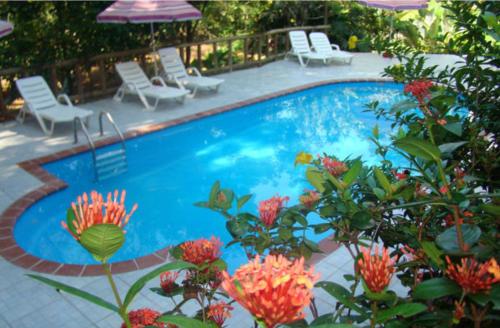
x,y
309,198
270,208
219,312
144,318
335,168
89,214
167,281
419,89
472,276
377,270
275,291
201,251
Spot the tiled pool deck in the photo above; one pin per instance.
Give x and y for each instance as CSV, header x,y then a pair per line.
x,y
26,303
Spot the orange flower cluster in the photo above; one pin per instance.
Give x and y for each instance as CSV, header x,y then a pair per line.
x,y
219,312
335,168
459,312
87,215
472,276
275,291
144,318
309,198
167,281
376,270
419,89
270,208
201,251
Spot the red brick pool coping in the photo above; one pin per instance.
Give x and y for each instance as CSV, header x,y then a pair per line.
x,y
11,251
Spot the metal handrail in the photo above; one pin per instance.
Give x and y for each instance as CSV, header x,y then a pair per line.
x,y
110,119
89,139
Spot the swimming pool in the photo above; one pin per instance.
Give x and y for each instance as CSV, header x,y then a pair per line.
x,y
250,150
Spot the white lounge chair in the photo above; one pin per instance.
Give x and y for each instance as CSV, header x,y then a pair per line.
x,y
136,82
301,49
321,45
40,102
175,71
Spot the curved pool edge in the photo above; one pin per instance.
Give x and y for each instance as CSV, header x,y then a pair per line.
x,y
12,252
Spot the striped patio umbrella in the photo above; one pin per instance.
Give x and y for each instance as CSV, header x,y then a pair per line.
x,y
149,11
395,5
5,28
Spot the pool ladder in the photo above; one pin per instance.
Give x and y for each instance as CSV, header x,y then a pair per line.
x,y
106,164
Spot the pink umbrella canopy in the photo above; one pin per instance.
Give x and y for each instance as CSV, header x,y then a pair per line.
x,y
149,11
396,4
5,28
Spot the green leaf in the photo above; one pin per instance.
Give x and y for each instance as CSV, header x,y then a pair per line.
x,y
386,296
436,288
379,193
141,282
447,240
455,128
102,240
212,198
353,172
362,220
315,179
341,294
382,180
493,296
333,325
185,322
336,182
449,148
491,209
312,246
70,218
237,227
419,148
405,310
242,201
432,252
76,292
285,233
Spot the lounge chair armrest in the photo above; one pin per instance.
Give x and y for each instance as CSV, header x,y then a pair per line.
x,y
195,70
335,46
159,79
179,83
63,98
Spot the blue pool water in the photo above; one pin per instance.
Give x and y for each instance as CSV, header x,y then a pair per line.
x,y
250,150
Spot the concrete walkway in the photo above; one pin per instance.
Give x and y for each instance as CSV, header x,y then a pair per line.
x,y
26,303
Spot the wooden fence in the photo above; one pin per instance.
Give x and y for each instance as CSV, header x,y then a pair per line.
x,y
95,77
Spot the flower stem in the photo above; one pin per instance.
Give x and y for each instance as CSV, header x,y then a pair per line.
x,y
456,214
374,314
123,311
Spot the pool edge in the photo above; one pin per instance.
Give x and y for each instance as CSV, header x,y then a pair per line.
x,y
12,252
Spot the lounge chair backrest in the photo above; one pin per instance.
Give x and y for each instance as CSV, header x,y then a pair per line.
x,y
321,43
36,92
131,72
172,63
299,42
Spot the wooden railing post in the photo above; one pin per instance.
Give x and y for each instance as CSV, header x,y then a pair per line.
x,y
276,44
214,55
245,50
102,74
79,82
53,78
259,46
230,54
198,56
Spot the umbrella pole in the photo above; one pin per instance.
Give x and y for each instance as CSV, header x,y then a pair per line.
x,y
153,46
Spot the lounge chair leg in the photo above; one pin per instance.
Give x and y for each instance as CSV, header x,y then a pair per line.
x,y
120,93
21,116
192,94
180,100
301,61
